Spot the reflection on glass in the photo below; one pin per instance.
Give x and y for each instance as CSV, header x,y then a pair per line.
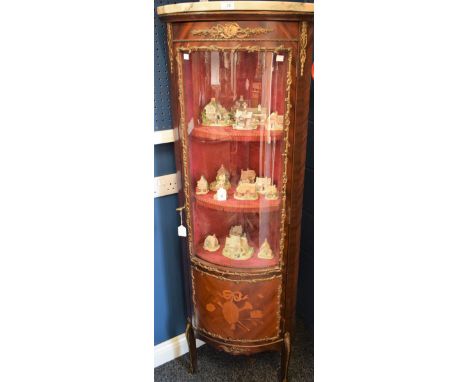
x,y
234,102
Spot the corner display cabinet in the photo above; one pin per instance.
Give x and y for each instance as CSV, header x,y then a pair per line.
x,y
240,79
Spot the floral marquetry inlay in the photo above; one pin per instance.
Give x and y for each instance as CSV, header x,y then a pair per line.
x,y
229,31
231,310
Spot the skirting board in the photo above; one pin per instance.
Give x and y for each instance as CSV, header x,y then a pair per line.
x,y
171,349
165,136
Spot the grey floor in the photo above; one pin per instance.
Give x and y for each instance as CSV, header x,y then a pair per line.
x,y
221,367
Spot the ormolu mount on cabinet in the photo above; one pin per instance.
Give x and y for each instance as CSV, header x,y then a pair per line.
x,y
239,97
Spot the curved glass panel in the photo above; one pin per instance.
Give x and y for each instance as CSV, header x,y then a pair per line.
x,y
234,105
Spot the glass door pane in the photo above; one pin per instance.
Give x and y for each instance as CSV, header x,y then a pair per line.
x,y
234,104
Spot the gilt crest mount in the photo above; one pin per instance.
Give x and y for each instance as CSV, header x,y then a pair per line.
x,y
230,31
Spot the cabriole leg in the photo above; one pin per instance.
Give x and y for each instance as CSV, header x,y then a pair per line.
x,y
190,336
285,355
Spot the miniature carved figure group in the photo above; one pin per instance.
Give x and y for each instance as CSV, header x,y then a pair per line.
x,y
236,246
248,188
274,122
214,114
241,117
211,243
222,180
202,186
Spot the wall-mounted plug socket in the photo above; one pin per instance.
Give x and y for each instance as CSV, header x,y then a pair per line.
x,y
166,185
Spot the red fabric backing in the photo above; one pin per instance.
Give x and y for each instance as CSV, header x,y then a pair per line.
x,y
210,147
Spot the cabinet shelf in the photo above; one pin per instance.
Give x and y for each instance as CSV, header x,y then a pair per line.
x,y
217,258
227,133
234,205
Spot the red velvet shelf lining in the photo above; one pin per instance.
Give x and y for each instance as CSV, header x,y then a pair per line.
x,y
218,258
234,205
227,133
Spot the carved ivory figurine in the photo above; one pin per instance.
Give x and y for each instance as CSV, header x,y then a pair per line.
x,y
211,243
202,186
222,180
237,246
265,251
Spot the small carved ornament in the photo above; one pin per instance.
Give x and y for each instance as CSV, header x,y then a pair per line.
x,y
202,186
222,180
211,243
214,114
271,192
236,230
247,176
243,120
275,121
262,184
237,246
265,251
246,191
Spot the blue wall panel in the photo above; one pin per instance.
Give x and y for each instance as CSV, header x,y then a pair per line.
x,y
169,314
169,317
164,162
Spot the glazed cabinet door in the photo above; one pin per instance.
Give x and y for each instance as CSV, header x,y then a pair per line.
x,y
235,104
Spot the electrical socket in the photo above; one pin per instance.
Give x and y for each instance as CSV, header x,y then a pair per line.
x,y
166,185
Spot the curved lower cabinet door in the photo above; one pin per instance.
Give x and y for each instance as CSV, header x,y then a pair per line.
x,y
244,314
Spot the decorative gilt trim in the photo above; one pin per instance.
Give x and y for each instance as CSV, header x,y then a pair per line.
x,y
206,332
285,156
236,350
184,139
303,41
259,272
250,49
229,31
238,39
243,346
169,45
272,277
